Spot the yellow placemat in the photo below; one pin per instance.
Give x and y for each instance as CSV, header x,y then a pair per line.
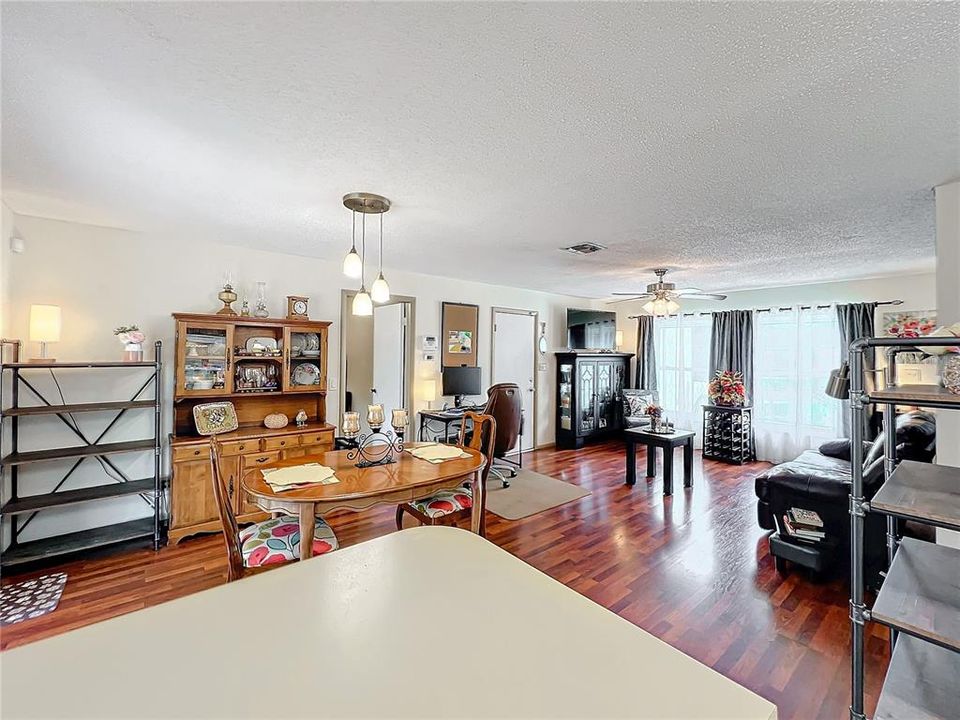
x,y
438,453
299,475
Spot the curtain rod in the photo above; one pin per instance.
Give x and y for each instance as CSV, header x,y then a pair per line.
x,y
769,309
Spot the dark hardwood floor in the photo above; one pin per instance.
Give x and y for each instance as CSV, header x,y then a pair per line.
x,y
692,569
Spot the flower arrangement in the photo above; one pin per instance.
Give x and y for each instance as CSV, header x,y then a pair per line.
x,y
132,340
654,410
727,389
129,334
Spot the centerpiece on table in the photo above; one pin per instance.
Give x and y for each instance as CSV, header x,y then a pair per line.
x,y
655,413
132,340
727,389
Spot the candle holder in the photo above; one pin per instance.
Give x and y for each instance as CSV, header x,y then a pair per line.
x,y
378,447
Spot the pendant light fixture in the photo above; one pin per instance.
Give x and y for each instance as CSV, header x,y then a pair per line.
x,y
362,305
353,263
380,291
661,307
366,204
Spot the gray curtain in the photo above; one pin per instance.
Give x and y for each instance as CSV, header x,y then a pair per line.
x,y
646,361
856,321
731,346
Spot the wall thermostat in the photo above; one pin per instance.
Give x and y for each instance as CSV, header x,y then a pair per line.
x,y
428,343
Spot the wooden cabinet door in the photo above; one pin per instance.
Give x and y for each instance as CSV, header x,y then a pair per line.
x,y
191,494
306,346
204,358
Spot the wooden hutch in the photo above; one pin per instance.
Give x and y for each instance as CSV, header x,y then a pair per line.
x,y
262,366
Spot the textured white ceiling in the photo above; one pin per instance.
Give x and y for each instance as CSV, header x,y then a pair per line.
x,y
746,144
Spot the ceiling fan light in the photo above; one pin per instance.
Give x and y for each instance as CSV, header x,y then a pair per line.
x,y
659,307
380,291
353,264
362,304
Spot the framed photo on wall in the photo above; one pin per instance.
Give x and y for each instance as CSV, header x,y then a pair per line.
x,y
458,335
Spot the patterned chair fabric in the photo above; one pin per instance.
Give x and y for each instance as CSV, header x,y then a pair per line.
x,y
445,502
278,540
636,402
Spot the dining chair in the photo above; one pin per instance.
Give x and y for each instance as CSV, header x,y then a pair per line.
x,y
448,506
265,543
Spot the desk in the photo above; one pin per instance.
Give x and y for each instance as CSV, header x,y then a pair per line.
x,y
424,623
446,417
404,481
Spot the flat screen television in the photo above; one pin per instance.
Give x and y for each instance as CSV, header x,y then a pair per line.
x,y
591,329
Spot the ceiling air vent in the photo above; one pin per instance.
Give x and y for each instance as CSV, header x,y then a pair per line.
x,y
586,248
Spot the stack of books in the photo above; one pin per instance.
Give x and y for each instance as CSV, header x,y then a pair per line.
x,y
804,524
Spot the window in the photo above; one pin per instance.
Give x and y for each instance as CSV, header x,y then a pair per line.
x,y
681,344
793,354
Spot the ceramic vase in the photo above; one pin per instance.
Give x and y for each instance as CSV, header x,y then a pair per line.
x,y
133,352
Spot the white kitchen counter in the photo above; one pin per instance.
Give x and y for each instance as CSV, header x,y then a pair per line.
x,y
427,622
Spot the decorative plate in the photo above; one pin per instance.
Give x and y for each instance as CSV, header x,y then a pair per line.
x,y
215,418
298,342
313,341
262,344
306,374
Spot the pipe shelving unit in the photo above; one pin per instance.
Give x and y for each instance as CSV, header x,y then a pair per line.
x,y
920,597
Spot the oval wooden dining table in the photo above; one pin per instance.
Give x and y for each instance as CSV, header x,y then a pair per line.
x,y
404,481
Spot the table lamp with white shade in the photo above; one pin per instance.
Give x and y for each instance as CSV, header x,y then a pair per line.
x,y
45,322
428,390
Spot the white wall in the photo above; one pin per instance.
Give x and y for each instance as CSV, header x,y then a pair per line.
x,y
7,228
948,302
918,292
105,277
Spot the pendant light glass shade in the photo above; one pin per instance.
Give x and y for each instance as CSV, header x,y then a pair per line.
x,y
362,304
661,306
380,291
352,264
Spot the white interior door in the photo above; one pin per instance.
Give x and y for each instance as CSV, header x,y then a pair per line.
x,y
514,338
389,343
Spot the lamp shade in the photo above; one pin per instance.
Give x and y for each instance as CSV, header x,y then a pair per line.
x,y
619,339
45,323
362,304
838,386
429,389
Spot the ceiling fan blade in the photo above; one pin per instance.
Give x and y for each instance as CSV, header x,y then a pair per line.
x,y
627,299
702,296
634,294
684,291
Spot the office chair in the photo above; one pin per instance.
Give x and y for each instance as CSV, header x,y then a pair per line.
x,y
504,404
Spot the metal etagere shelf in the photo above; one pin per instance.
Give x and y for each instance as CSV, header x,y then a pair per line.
x,y
19,510
919,599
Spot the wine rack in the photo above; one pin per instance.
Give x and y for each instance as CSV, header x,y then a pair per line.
x,y
728,433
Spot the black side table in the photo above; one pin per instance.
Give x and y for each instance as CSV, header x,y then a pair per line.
x,y
667,442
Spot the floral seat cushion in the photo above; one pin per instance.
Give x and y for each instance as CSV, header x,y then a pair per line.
x,y
278,540
444,502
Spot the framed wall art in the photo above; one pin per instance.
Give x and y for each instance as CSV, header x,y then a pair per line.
x,y
458,336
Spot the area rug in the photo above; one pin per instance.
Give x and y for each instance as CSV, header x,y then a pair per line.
x,y
529,493
31,598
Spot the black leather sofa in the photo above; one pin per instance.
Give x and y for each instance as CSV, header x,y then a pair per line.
x,y
819,480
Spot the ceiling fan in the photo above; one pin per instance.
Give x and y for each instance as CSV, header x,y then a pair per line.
x,y
663,295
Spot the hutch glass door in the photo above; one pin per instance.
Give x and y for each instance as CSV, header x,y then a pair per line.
x,y
605,395
587,397
305,352
205,351
566,396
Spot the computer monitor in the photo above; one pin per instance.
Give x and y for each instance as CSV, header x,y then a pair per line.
x,y
460,381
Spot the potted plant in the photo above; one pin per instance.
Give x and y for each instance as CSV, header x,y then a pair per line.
x,y
727,389
132,340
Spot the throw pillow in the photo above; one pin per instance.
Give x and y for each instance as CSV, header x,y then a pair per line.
x,y
839,449
637,404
